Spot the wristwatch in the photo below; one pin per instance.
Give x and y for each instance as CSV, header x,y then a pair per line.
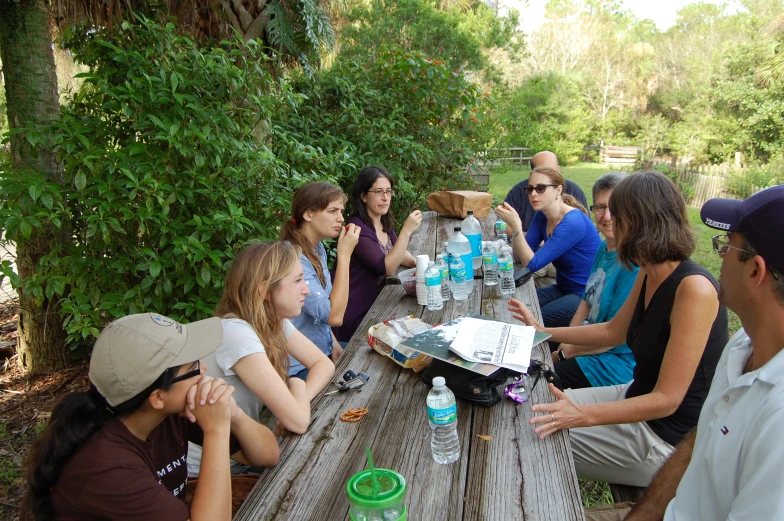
x,y
561,356
516,233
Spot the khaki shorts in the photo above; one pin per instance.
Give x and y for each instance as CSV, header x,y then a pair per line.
x,y
626,454
616,512
547,271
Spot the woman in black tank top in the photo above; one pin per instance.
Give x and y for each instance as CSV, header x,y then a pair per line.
x,y
674,325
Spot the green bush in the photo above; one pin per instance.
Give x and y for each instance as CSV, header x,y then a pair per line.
x,y
546,112
399,109
742,182
171,164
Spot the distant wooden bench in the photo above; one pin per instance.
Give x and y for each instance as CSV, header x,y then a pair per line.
x,y
615,155
480,174
506,156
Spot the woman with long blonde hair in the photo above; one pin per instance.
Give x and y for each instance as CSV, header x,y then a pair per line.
x,y
264,289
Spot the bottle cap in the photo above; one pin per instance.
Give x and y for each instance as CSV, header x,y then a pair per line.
x,y
470,212
439,381
458,228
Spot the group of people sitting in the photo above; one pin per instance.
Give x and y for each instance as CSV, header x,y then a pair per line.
x,y
170,401
639,352
639,328
639,333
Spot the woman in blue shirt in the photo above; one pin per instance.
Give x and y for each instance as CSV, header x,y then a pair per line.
x,y
558,234
317,215
608,286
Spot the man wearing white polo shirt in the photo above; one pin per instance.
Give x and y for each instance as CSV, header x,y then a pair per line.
x,y
731,467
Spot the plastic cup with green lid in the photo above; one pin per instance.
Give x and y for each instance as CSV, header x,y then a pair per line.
x,y
377,498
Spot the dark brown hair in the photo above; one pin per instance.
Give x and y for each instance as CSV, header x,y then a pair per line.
x,y
313,197
649,216
75,418
364,181
557,179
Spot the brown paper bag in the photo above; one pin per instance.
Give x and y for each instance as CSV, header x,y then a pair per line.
x,y
457,203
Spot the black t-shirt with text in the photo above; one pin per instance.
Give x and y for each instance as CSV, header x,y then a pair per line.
x,y
116,476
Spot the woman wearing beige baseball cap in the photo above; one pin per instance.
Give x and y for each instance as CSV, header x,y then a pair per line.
x,y
118,451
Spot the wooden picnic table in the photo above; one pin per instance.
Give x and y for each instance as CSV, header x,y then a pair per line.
x,y
513,476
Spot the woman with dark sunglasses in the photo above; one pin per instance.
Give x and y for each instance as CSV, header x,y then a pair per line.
x,y
560,233
118,451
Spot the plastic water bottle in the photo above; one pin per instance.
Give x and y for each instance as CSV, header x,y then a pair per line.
x,y
506,246
457,272
433,285
506,270
490,263
442,414
500,228
445,251
441,264
458,246
473,232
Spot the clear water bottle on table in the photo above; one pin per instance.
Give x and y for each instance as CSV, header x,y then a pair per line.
x,y
459,246
490,264
442,414
457,272
446,292
433,286
500,228
506,271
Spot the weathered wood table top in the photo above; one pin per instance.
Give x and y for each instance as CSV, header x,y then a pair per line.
x,y
515,476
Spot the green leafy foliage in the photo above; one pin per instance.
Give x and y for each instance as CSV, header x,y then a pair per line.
x,y
546,112
169,169
403,110
460,35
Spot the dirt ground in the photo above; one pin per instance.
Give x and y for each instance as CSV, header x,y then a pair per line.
x,y
25,405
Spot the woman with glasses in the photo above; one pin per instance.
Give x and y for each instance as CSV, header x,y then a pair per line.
x,y
561,233
264,289
675,327
118,450
608,286
317,215
380,252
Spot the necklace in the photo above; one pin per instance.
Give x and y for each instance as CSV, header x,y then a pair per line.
x,y
551,229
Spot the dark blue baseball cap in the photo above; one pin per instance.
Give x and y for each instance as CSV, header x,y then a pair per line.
x,y
760,218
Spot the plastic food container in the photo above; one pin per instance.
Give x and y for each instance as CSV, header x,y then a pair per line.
x,y
408,280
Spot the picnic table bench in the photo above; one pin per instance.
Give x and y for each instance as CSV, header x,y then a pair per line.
x,y
513,476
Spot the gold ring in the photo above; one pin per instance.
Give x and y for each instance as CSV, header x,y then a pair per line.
x,y
552,416
553,425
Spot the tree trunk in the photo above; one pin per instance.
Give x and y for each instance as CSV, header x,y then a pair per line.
x,y
32,99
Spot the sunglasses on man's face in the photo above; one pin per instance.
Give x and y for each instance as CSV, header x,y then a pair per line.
x,y
539,188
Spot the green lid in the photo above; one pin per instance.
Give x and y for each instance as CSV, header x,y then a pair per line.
x,y
392,489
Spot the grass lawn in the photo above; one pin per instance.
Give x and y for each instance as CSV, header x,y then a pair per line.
x,y
585,175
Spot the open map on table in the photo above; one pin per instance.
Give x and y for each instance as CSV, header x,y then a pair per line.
x,y
439,342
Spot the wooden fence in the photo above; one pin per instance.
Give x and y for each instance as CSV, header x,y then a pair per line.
x,y
707,182
614,155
